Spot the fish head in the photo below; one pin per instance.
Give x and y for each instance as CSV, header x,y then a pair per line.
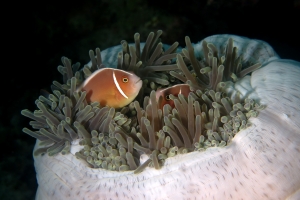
x,y
127,83
163,95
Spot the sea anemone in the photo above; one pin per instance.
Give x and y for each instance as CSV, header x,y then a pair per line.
x,y
234,136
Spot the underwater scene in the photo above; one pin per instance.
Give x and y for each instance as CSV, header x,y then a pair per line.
x,y
137,100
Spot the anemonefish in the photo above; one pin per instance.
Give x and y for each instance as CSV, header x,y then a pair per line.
x,y
183,89
111,87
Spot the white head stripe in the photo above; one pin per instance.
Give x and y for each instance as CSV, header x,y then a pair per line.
x,y
180,90
118,86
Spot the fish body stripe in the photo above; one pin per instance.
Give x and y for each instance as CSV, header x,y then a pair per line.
x,y
118,86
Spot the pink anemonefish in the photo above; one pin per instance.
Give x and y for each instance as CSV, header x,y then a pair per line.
x,y
183,89
111,87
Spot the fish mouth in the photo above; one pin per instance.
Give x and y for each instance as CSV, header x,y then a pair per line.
x,y
138,80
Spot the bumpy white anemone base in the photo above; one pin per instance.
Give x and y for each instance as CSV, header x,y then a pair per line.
x,y
262,162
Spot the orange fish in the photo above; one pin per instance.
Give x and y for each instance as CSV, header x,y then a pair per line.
x,y
183,89
111,87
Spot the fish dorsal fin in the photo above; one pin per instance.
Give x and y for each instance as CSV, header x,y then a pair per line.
x,y
118,86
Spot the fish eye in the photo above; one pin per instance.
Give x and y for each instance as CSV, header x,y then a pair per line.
x,y
168,97
125,80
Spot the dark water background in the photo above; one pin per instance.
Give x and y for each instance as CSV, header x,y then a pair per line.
x,y
35,36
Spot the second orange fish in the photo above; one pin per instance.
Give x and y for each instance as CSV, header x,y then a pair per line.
x,y
183,89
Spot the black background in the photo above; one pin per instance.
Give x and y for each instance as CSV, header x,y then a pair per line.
x,y
36,35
